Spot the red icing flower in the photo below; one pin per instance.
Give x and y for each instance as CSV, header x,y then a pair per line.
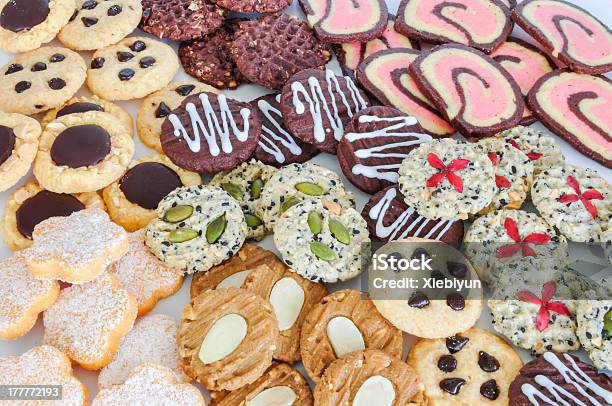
x,y
591,194
500,181
521,244
546,306
533,156
446,171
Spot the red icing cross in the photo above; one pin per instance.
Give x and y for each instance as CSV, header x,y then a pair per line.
x,y
500,181
521,244
546,306
533,156
446,171
591,194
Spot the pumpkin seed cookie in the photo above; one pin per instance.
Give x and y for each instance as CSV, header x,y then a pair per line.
x,y
594,319
323,241
197,228
40,80
132,199
82,152
342,323
447,179
26,24
226,338
30,205
18,145
157,106
97,24
296,182
245,184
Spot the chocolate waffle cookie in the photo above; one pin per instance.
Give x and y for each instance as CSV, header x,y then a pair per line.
x,y
254,6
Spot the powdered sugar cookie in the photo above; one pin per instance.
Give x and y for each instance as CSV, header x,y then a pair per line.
x,y
341,323
22,298
44,365
152,340
88,321
143,275
19,142
150,383
594,320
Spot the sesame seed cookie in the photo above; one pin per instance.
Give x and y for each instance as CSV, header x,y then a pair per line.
x,y
594,330
19,137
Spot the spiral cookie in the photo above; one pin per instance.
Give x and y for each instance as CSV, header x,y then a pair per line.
x,y
385,75
18,145
569,33
594,320
482,24
131,200
197,227
473,91
559,100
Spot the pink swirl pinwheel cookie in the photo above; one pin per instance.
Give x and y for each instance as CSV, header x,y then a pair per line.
x,y
482,24
339,21
385,76
576,107
473,91
568,32
526,64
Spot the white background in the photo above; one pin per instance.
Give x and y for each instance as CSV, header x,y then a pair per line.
x,y
173,305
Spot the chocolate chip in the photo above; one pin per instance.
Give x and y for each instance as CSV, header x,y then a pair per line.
x,y
15,67
126,74
124,56
437,275
57,83
81,146
447,363
147,62
452,385
147,183
457,269
22,15
56,58
89,21
185,90
162,110
7,143
420,254
89,5
114,10
97,63
395,257
42,206
138,46
74,15
455,301
487,362
455,344
78,107
418,300
489,389
39,66
22,86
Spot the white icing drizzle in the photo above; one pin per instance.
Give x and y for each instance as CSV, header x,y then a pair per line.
x,y
379,211
574,376
267,144
317,101
388,171
212,128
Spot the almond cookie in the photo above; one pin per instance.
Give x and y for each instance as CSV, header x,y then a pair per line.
x,y
143,275
97,24
77,248
458,371
279,385
131,69
157,106
297,182
44,365
447,179
291,297
30,205
82,152
26,24
226,338
22,298
40,80
369,377
18,145
88,321
197,228
150,383
245,184
132,199
575,200
594,318
341,323
152,340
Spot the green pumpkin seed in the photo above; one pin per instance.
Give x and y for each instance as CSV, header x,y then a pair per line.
x,y
310,189
608,324
233,189
182,235
256,187
215,229
289,202
315,222
178,213
252,221
322,251
339,231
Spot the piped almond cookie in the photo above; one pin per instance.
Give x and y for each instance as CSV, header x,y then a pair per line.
x,y
19,137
